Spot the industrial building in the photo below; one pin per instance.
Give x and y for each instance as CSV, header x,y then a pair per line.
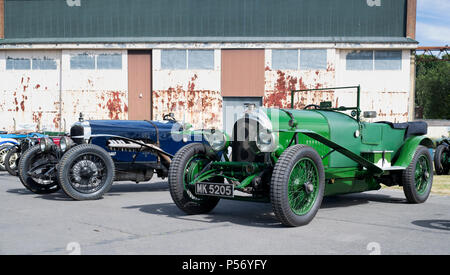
x,y
140,59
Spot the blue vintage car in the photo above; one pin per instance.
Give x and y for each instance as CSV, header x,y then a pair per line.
x,y
99,152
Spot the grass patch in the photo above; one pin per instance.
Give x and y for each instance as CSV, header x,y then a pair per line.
x,y
441,185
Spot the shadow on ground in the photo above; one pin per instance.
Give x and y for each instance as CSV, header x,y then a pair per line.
x,y
358,199
116,190
256,214
434,224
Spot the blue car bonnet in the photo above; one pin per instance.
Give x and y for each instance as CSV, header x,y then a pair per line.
x,y
133,129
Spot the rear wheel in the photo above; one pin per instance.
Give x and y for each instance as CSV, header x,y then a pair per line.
x,y
418,177
12,161
38,171
185,166
86,172
297,187
442,160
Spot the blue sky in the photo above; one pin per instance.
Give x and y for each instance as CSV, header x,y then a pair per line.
x,y
433,22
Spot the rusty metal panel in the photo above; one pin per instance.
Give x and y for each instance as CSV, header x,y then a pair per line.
x,y
385,91
192,95
139,85
243,73
279,83
97,93
30,97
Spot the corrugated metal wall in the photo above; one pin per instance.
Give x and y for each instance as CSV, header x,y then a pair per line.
x,y
203,18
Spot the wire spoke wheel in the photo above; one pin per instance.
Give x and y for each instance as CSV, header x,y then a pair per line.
x,y
186,165
193,168
417,178
87,173
422,174
297,185
303,186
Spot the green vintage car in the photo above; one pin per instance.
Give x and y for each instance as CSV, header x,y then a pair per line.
x,y
293,158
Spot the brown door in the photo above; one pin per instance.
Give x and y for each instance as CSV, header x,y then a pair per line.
x,y
243,73
139,85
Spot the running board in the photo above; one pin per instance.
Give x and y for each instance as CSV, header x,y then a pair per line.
x,y
394,168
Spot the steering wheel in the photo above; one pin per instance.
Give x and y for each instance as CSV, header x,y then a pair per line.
x,y
169,117
316,107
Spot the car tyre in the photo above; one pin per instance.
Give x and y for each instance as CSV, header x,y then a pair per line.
x,y
12,161
297,185
86,172
441,159
32,159
182,196
418,176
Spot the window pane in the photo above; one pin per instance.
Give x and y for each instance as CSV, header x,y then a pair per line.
x,y
18,63
109,61
285,59
360,61
201,59
388,60
313,59
44,64
173,59
82,62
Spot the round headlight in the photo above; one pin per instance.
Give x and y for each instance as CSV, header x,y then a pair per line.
x,y
217,140
65,143
266,141
265,137
45,144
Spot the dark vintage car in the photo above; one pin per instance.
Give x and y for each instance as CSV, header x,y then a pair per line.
x,y
12,156
442,156
99,152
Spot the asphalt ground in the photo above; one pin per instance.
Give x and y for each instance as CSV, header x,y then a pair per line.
x,y
142,219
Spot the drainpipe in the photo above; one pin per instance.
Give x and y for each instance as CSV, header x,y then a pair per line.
x,y
412,89
60,91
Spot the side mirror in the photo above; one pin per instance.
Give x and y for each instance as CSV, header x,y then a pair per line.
x,y
370,114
